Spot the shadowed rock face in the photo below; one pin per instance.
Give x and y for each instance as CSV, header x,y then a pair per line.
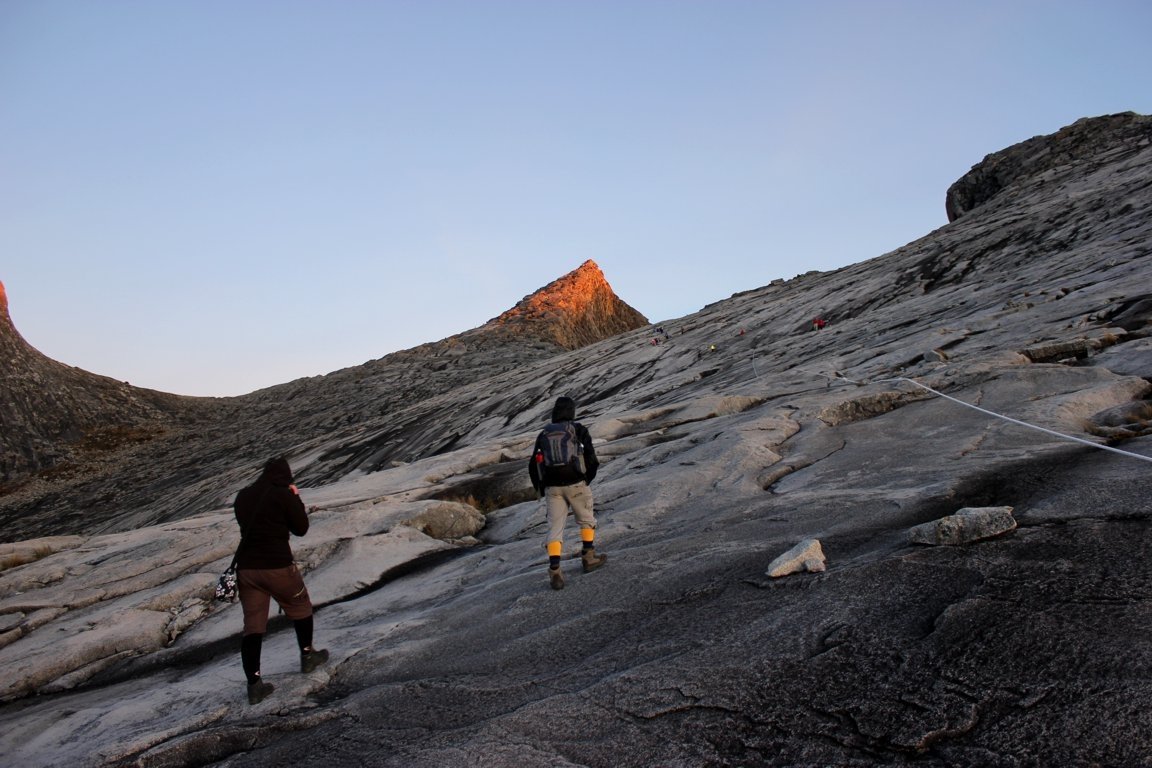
x,y
1087,143
56,416
743,435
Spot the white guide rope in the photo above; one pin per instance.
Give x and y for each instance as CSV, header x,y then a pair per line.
x,y
1060,435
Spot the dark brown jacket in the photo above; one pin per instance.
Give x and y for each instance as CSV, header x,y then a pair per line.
x,y
268,512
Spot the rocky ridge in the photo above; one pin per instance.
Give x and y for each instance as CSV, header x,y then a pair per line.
x,y
45,406
1047,159
183,456
744,440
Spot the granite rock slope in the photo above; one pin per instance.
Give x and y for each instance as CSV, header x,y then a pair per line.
x,y
741,436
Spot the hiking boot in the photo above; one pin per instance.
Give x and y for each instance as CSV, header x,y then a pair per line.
x,y
258,691
311,659
556,578
592,561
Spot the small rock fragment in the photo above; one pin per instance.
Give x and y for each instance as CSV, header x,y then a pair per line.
x,y
805,556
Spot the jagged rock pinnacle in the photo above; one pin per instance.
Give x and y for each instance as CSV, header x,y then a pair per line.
x,y
578,309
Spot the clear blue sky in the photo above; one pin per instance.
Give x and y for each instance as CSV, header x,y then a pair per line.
x,y
211,196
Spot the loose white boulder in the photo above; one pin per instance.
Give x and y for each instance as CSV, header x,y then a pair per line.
x,y
807,556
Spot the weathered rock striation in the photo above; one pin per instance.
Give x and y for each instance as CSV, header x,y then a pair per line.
x,y
1018,640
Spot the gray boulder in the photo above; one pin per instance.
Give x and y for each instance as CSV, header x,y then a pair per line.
x,y
966,526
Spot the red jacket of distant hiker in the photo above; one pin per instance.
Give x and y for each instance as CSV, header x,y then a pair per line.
x,y
268,512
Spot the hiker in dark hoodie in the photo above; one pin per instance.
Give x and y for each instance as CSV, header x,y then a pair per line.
x,y
269,511
564,485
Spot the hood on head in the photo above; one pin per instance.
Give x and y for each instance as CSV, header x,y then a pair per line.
x,y
278,471
564,410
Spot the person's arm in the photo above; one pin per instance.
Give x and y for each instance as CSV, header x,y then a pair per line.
x,y
242,507
295,513
591,463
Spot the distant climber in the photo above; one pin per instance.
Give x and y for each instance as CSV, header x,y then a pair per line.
x,y
818,323
562,466
269,511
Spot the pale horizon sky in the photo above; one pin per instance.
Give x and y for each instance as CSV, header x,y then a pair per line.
x,y
212,197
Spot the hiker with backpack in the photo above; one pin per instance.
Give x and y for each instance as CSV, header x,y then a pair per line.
x,y
269,511
562,466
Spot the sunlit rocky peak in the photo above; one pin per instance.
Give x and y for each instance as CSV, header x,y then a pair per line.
x,y
578,309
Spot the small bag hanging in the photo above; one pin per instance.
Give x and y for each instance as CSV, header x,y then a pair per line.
x,y
226,591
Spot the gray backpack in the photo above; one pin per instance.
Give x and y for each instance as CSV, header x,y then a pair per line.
x,y
561,456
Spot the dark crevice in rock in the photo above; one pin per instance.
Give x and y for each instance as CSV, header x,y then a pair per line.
x,y
447,446
500,486
411,567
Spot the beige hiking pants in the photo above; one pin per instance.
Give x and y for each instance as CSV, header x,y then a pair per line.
x,y
559,499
